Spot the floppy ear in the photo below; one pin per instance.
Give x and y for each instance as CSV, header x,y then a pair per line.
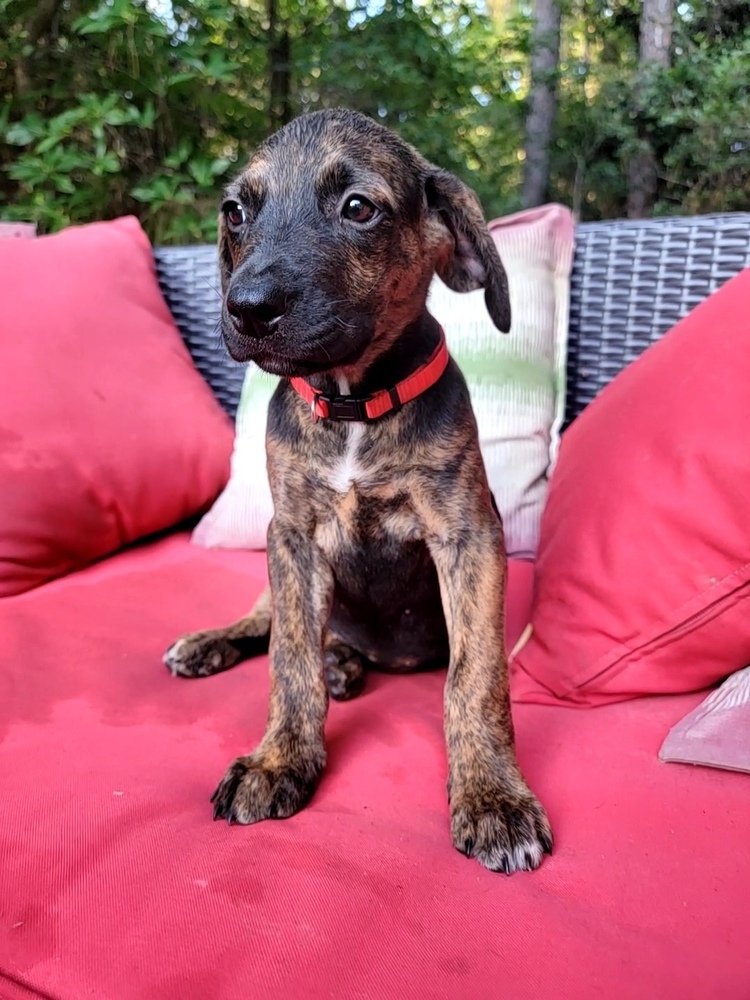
x,y
474,261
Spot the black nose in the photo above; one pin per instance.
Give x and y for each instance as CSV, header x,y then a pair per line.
x,y
256,311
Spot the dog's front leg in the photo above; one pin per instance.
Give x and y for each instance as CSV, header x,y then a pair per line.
x,y
280,776
495,817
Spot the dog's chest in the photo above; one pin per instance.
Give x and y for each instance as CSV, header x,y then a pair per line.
x,y
365,503
346,469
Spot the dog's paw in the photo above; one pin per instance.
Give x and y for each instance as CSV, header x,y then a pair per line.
x,y
200,655
344,673
503,834
251,791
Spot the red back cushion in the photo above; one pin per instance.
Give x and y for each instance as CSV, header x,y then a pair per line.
x,y
642,583
107,431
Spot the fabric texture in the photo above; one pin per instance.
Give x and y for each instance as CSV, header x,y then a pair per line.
x,y
107,431
717,732
115,882
517,385
17,230
643,574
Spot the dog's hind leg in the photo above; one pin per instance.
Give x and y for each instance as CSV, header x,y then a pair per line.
x,y
200,654
344,669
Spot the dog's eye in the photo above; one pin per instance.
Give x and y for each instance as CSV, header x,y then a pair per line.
x,y
359,209
234,214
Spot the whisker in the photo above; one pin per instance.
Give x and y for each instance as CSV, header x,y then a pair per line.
x,y
218,340
343,324
210,286
375,282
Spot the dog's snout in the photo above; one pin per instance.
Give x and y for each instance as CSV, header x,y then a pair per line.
x,y
256,311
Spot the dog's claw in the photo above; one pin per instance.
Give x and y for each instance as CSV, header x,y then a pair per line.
x,y
250,792
513,836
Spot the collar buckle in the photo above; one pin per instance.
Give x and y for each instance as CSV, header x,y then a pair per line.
x,y
346,407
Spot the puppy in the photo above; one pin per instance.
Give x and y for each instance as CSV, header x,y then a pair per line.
x,y
386,548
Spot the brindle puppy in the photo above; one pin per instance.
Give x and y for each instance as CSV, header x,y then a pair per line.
x,y
386,547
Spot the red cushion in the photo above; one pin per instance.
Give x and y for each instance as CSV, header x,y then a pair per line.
x,y
107,431
643,574
115,883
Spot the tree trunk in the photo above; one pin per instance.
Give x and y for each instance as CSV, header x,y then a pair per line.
x,y
655,52
656,32
279,68
540,118
38,27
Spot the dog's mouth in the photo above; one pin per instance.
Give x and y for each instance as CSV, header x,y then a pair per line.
x,y
285,356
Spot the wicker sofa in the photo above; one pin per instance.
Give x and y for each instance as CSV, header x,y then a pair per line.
x,y
138,896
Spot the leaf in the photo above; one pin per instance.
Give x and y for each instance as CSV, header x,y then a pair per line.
x,y
179,156
19,134
178,78
143,193
220,165
49,143
147,115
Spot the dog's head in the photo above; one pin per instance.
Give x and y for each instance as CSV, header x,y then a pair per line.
x,y
328,241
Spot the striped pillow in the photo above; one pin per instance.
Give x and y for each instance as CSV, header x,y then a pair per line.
x,y
517,385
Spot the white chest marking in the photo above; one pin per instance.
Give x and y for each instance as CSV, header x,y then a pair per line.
x,y
346,471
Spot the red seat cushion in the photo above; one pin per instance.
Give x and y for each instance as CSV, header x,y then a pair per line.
x,y
107,431
115,883
643,571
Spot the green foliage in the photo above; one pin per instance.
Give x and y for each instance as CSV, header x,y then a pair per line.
x,y
702,106
431,72
148,106
697,114
113,109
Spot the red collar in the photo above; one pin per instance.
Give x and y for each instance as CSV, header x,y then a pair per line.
x,y
387,400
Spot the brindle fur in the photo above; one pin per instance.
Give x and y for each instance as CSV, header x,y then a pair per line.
x,y
386,548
